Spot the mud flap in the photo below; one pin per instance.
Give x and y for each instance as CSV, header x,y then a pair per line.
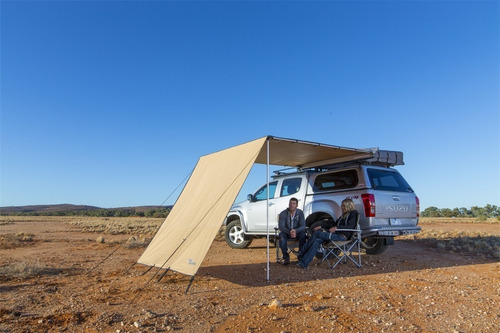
x,y
389,241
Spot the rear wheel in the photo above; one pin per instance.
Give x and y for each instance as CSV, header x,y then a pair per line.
x,y
374,245
235,237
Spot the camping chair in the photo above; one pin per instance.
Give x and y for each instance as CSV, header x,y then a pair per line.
x,y
340,251
292,245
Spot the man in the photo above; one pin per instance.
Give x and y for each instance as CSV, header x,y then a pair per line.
x,y
292,225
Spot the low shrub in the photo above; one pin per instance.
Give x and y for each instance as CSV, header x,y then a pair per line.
x,y
116,226
136,241
20,239
465,242
23,270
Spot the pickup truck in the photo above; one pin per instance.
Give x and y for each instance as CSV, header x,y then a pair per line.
x,y
387,205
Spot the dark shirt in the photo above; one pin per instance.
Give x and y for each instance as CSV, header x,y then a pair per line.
x,y
286,224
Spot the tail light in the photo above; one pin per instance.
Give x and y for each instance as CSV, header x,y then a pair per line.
x,y
369,204
418,206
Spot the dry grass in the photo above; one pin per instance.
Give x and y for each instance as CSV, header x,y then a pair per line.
x,y
136,241
12,241
13,219
457,242
429,220
23,270
118,225
465,242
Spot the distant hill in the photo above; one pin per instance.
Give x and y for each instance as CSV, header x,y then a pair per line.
x,y
68,209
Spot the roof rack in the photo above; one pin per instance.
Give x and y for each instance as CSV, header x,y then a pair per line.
x,y
386,158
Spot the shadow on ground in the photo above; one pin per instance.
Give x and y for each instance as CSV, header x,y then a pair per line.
x,y
406,255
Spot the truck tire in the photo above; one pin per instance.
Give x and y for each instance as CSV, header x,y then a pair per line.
x,y
235,237
374,245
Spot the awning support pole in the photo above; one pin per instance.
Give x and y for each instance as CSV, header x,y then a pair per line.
x,y
267,210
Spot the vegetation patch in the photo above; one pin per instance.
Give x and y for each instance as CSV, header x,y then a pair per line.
x,y
432,220
12,241
465,242
136,241
115,226
23,270
475,211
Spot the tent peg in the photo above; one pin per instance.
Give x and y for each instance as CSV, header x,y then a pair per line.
x,y
189,286
164,273
150,267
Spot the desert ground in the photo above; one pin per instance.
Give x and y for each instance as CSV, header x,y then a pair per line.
x,y
60,275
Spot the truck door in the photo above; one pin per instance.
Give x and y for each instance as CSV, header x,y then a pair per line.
x,y
290,187
257,209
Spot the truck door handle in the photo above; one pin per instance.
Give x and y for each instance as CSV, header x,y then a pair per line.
x,y
271,203
395,198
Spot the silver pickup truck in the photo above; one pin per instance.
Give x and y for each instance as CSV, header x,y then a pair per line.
x,y
387,205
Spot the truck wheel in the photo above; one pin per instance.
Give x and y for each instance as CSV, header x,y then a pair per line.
x,y
235,237
373,245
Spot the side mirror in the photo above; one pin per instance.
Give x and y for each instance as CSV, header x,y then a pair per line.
x,y
250,197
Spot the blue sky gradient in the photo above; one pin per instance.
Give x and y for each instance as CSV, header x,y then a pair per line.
x,y
111,103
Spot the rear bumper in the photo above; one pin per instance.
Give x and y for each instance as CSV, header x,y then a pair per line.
x,y
390,231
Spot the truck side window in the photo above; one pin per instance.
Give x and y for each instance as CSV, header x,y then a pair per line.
x,y
290,186
336,180
261,194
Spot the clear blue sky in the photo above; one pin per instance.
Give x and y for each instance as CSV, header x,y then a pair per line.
x,y
111,103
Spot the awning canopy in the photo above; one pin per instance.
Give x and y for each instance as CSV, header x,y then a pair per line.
x,y
305,154
185,236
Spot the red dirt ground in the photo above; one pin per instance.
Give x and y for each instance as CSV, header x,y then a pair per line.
x,y
409,288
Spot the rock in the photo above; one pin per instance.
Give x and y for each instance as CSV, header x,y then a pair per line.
x,y
308,307
276,303
150,314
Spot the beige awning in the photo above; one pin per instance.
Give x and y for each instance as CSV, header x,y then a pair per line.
x,y
305,154
185,236
188,231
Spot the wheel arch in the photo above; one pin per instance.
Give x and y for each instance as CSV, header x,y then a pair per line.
x,y
322,206
317,216
236,215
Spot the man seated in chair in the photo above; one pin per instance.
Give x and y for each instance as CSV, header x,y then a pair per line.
x,y
292,225
346,221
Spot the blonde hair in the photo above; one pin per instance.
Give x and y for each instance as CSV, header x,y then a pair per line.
x,y
348,206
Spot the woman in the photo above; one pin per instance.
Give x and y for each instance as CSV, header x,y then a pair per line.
x,y
346,221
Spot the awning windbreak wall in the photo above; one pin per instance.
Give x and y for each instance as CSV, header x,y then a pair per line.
x,y
188,231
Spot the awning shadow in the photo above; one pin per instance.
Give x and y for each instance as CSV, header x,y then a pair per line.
x,y
406,255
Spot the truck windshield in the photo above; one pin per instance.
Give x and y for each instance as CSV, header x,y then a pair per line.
x,y
386,180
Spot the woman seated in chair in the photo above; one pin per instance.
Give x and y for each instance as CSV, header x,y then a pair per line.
x,y
346,221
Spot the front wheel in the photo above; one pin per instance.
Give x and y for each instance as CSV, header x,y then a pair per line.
x,y
374,245
235,237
